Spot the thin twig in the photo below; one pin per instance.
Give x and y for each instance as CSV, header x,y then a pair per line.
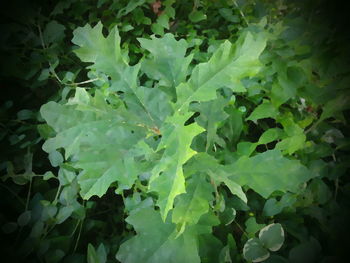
x,y
52,70
41,37
14,194
241,12
29,193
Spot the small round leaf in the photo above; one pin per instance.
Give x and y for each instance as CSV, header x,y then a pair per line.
x,y
24,218
254,251
272,236
9,228
55,158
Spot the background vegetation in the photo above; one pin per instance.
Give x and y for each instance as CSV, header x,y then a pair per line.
x,y
299,94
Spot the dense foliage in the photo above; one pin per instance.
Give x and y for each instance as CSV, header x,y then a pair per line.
x,y
174,131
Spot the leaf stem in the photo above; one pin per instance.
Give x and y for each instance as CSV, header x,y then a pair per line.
x,y
239,226
29,193
313,126
57,194
79,234
83,82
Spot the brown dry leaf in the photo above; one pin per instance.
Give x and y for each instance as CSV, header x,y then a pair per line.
x,y
156,6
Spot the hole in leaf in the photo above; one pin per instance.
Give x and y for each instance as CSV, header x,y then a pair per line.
x,y
191,119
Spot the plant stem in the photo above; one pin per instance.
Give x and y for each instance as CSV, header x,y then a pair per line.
x,y
79,234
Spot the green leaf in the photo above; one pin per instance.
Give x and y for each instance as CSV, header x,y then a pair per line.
x,y
254,251
24,218
284,87
295,139
63,214
271,135
155,241
272,236
48,175
194,203
197,16
252,226
55,158
228,215
227,66
91,255
245,148
53,32
167,175
211,114
105,53
273,207
150,105
276,259
264,110
205,163
268,172
292,144
25,114
109,58
332,107
168,63
228,15
103,141
130,7
306,251
98,256
9,227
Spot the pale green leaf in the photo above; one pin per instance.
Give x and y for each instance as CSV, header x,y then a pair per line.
x,y
167,176
295,139
252,226
271,135
55,158
246,148
207,164
211,114
155,241
227,66
273,207
268,172
194,203
24,218
132,4
292,144
264,110
197,16
105,53
168,62
63,214
103,141
254,251
272,236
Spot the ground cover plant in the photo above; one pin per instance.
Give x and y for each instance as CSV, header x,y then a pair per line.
x,y
174,131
